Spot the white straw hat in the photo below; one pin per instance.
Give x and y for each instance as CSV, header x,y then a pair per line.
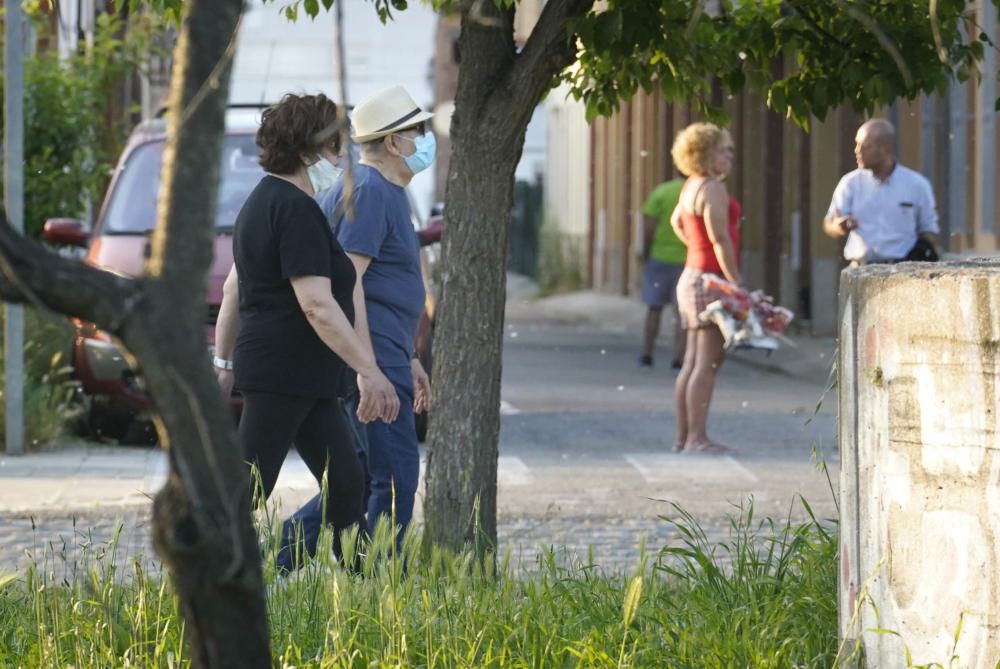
x,y
384,113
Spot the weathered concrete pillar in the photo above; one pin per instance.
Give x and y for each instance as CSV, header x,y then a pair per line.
x,y
920,461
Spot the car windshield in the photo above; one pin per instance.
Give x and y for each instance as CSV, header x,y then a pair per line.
x,y
132,208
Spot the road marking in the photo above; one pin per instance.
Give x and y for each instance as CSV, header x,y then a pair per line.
x,y
667,467
511,471
508,409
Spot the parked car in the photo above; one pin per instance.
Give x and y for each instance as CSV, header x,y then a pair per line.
x,y
116,406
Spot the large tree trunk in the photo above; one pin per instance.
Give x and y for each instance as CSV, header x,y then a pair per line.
x,y
201,519
498,89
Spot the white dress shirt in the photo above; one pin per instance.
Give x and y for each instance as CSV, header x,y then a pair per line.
x,y
890,213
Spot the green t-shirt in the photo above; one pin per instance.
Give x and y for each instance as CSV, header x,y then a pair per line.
x,y
660,204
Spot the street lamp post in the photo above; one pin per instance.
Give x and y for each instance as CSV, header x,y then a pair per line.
x,y
14,205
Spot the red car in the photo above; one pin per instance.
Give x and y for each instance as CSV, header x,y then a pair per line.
x,y
117,406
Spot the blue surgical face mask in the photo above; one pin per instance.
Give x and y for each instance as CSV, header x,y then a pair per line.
x,y
426,149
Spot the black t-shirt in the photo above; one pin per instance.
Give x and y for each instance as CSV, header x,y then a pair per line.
x,y
281,233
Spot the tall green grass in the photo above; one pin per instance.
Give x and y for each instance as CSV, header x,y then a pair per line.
x,y
764,598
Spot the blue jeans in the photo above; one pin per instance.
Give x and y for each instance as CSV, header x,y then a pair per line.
x,y
391,457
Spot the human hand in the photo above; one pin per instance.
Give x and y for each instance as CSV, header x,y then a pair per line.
x,y
845,223
421,387
378,398
225,379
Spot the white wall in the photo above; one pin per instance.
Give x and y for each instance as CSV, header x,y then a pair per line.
x,y
567,164
274,57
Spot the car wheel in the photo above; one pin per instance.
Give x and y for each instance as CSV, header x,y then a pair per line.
x,y
103,425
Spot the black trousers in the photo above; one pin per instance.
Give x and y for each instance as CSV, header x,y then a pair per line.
x,y
272,422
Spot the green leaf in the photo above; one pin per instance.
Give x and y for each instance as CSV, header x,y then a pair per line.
x,y
776,99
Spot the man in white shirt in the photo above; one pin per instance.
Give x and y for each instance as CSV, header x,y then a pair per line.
x,y
882,207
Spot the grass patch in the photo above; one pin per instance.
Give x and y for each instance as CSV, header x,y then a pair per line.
x,y
560,261
766,597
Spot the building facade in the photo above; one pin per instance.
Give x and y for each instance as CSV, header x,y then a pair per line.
x,y
784,178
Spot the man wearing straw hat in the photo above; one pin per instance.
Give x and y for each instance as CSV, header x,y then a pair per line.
x,y
375,228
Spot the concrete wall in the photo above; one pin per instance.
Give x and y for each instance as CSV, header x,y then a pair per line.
x,y
920,461
567,166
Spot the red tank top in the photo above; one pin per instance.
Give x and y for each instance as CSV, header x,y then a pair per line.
x,y
701,253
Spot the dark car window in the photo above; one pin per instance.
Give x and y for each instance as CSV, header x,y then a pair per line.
x,y
132,208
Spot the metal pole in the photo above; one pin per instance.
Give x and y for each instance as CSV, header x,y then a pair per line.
x,y
985,124
13,168
341,57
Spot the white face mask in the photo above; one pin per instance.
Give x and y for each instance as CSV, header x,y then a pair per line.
x,y
323,174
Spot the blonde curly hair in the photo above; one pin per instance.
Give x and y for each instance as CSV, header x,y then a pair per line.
x,y
693,147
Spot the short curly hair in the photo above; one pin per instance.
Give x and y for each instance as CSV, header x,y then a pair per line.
x,y
297,127
693,147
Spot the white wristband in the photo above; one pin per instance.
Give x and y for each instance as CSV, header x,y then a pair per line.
x,y
222,363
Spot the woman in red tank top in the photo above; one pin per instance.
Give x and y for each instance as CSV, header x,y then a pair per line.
x,y
707,221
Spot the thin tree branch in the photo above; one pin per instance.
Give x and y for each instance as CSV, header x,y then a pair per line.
x,y
699,11
797,7
868,22
550,49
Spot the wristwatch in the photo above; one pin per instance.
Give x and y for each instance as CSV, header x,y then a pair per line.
x,y
222,363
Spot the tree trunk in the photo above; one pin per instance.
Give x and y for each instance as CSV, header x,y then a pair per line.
x,y
498,89
201,519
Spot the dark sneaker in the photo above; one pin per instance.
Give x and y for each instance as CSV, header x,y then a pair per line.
x,y
676,364
645,361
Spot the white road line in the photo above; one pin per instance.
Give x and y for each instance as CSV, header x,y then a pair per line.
x,y
508,409
664,468
753,478
511,471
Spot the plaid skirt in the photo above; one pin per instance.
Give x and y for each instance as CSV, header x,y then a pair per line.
x,y
692,299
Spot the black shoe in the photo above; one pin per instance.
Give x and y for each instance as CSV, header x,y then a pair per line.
x,y
645,361
676,364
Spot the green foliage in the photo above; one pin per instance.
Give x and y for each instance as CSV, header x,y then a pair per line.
x,y
768,592
48,389
806,58
169,9
72,135
862,54
311,7
766,598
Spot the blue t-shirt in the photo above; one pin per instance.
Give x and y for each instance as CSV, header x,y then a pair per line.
x,y
380,227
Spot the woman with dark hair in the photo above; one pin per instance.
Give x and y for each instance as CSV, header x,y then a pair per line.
x,y
706,219
284,331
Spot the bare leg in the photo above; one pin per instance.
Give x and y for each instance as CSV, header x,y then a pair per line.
x,y
650,332
681,388
680,343
701,383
